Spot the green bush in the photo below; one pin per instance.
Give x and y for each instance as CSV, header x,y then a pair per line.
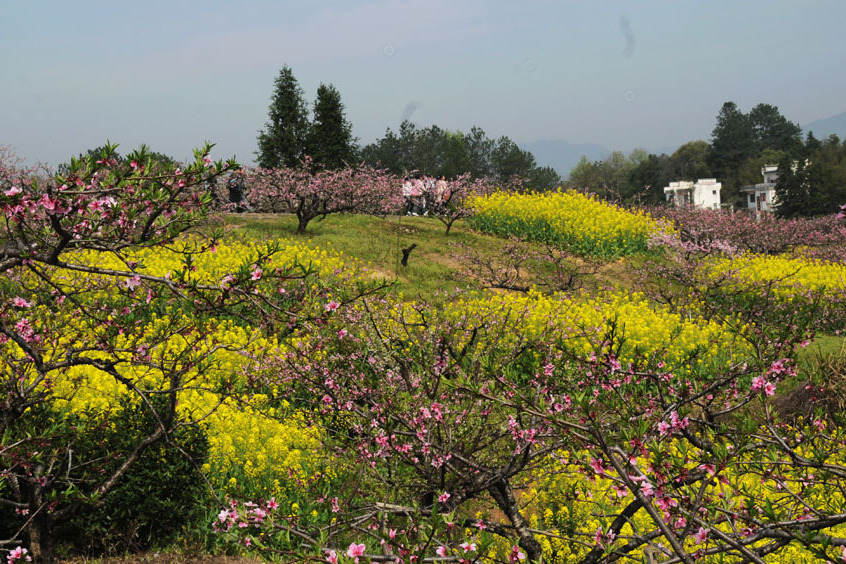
x,y
162,494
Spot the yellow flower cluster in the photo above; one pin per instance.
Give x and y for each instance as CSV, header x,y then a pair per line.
x,y
268,455
582,324
570,220
785,272
257,448
210,265
569,502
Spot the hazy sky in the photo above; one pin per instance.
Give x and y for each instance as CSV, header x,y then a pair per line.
x,y
622,74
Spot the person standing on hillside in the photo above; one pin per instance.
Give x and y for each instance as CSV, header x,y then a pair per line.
x,y
237,186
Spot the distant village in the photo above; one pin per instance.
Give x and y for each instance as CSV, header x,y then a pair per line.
x,y
705,193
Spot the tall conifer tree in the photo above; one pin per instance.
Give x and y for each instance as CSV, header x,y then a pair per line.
x,y
282,142
330,140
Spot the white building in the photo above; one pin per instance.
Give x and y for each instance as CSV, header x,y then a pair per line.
x,y
761,198
704,193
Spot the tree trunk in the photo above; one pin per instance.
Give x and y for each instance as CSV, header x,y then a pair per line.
x,y
302,223
39,528
40,539
504,497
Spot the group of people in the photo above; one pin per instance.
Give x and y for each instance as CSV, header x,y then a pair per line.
x,y
424,194
236,187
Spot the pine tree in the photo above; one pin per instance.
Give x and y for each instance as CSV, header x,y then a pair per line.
x,y
330,140
733,140
774,131
283,140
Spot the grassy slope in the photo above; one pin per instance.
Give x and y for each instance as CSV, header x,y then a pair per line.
x,y
433,267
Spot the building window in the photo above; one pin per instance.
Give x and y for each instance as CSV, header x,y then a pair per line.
x,y
751,198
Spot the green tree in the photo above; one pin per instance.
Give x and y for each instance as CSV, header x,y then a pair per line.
x,y
479,150
543,178
647,180
585,175
330,140
690,161
151,158
774,131
812,144
732,143
282,142
455,156
815,185
509,160
393,151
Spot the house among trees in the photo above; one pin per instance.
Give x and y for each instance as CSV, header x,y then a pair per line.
x,y
704,193
761,198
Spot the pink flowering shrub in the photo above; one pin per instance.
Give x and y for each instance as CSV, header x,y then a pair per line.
x,y
437,414
76,298
310,193
736,232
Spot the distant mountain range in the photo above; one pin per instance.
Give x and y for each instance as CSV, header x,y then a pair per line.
x,y
563,155
822,128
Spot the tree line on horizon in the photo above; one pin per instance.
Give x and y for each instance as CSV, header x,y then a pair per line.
x,y
812,172
289,136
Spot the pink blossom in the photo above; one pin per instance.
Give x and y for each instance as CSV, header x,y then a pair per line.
x,y
769,388
701,535
17,554
256,274
709,468
332,306
332,558
48,203
18,301
12,191
597,537
443,497
597,466
355,550
132,283
516,554
778,367
442,551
